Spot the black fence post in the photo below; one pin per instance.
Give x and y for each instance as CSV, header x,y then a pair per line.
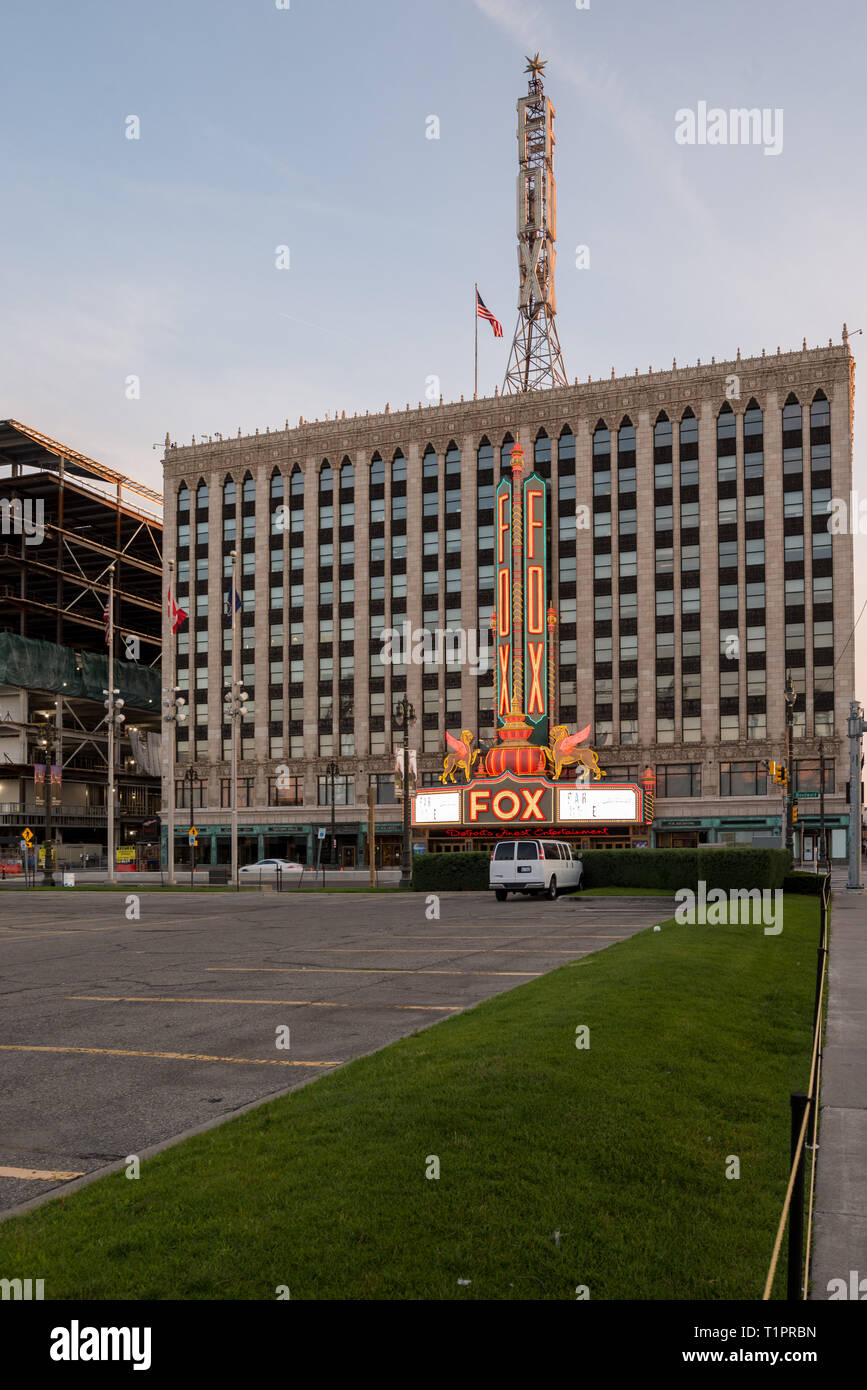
x,y
798,1103
823,945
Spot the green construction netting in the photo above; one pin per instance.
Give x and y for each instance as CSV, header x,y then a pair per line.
x,y
36,665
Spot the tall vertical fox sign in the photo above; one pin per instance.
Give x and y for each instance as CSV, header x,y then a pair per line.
x,y
535,607
503,555
523,674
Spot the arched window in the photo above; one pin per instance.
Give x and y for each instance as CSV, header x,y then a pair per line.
x,y
688,449
726,444
229,522
347,475
248,493
542,454
430,466
753,418
183,498
296,483
688,428
820,412
326,478
398,467
566,481
485,453
754,440
202,496
626,462
601,479
791,415
276,486
601,439
626,437
377,471
662,434
506,454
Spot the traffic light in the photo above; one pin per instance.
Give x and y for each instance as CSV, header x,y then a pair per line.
x,y
777,773
794,814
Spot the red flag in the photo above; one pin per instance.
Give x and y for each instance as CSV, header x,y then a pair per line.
x,y
177,615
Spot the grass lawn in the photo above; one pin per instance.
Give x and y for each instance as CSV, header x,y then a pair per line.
x,y
697,1036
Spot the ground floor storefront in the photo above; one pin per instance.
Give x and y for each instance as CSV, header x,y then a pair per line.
x,y
665,833
680,832
299,842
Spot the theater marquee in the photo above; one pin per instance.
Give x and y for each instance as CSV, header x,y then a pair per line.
x,y
521,802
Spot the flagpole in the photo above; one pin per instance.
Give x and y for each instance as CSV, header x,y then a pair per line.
x,y
170,732
476,315
235,716
112,868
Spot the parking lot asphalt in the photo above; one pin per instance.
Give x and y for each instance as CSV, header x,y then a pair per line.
x,y
117,1033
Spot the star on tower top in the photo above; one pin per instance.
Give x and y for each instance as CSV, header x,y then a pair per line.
x,y
535,66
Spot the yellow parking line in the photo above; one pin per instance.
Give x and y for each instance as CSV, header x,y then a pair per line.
x,y
455,950
23,933
523,933
294,1003
35,1173
358,970
171,1056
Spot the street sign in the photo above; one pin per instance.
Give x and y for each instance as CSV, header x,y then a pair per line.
x,y
320,834
27,834
802,796
194,835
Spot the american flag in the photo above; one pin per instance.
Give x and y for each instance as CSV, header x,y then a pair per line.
x,y
483,312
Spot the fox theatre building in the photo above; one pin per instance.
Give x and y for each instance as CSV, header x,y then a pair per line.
x,y
538,778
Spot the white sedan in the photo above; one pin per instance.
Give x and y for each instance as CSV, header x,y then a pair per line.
x,y
268,868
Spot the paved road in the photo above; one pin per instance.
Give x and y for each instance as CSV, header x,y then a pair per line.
x,y
117,1034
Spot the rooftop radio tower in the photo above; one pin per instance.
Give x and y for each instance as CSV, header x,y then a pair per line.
x,y
536,361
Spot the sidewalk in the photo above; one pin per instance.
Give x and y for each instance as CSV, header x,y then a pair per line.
x,y
840,1229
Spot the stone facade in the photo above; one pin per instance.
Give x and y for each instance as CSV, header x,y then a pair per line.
x,y
769,380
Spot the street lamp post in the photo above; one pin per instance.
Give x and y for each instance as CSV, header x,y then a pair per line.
x,y
333,771
50,745
791,696
823,856
404,716
114,721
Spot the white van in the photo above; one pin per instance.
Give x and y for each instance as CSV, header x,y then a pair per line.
x,y
534,866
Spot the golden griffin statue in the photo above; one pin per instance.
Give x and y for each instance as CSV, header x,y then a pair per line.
x,y
462,754
564,751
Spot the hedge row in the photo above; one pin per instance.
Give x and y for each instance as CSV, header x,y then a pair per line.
x,y
455,871
685,868
810,884
627,868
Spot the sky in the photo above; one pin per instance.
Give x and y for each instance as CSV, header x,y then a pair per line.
x,y
304,124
